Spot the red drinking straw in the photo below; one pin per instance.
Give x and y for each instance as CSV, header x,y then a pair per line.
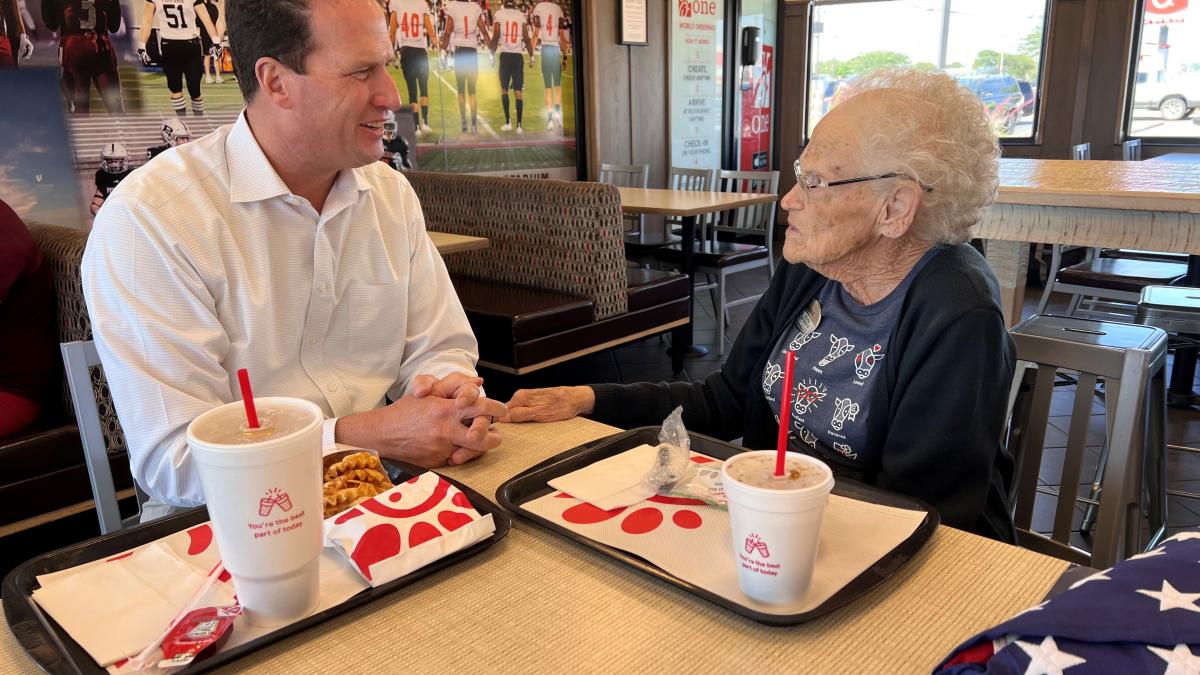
x,y
785,413
248,398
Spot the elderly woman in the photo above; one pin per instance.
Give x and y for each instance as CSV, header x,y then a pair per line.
x,y
902,362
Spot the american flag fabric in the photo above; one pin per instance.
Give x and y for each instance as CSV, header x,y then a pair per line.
x,y
1141,616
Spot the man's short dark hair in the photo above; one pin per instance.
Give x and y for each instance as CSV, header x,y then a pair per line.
x,y
276,28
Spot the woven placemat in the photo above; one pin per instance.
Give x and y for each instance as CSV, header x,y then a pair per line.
x,y
538,602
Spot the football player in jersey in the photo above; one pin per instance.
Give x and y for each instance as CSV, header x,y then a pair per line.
x,y
410,26
464,21
178,24
483,40
212,50
395,148
85,52
15,45
548,23
510,33
114,166
174,132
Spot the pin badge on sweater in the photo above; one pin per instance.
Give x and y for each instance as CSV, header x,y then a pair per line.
x,y
807,324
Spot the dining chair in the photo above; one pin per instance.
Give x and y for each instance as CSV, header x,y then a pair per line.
x,y
731,246
84,377
1129,360
1107,284
1131,150
627,175
642,248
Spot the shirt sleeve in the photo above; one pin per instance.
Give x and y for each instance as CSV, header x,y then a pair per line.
x,y
439,340
947,418
160,342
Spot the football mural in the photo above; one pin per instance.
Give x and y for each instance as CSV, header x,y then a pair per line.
x,y
486,86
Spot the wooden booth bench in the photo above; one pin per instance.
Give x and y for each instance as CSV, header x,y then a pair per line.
x,y
553,284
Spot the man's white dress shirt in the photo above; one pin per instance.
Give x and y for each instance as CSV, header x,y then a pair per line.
x,y
202,262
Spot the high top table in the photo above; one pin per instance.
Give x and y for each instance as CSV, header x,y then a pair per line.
x,y
687,205
1146,205
536,602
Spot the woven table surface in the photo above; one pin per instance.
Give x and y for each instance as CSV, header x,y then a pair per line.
x,y
537,602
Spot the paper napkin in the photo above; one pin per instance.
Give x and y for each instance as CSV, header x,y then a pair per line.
x,y
613,482
116,608
406,528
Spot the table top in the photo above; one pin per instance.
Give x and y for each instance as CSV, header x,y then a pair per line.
x,y
1185,157
446,243
686,202
536,602
1142,186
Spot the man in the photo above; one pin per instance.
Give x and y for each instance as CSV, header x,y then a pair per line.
x,y
114,167
15,45
548,23
174,132
410,28
464,20
511,32
279,244
85,51
179,49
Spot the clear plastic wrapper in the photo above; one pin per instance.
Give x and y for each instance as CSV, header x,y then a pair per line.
x,y
674,451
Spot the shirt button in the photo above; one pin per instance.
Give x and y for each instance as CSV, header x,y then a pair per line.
x,y
308,342
324,289
333,387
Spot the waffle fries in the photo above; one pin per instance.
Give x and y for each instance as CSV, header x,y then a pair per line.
x,y
352,478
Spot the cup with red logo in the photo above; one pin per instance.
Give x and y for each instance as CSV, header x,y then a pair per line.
x,y
262,486
775,522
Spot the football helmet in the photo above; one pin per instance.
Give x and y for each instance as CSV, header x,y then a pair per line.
x,y
389,127
114,158
175,132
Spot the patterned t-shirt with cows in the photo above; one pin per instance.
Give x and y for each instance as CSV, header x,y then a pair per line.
x,y
840,345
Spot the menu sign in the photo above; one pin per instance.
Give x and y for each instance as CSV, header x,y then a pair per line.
x,y
697,27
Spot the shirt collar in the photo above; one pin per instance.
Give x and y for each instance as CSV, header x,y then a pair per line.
x,y
251,176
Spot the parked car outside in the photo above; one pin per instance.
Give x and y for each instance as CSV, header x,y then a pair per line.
x,y
1001,97
1174,99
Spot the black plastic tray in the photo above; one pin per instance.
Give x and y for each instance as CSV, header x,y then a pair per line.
x,y
52,649
533,483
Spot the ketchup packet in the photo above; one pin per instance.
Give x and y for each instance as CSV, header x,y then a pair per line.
x,y
198,630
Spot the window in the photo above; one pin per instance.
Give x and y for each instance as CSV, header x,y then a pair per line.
x,y
993,48
1165,79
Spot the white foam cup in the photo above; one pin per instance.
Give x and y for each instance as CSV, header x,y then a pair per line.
x,y
775,531
263,493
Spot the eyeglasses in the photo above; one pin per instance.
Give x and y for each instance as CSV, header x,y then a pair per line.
x,y
809,182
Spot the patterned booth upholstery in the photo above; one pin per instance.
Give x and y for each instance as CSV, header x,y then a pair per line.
x,y
553,284
44,471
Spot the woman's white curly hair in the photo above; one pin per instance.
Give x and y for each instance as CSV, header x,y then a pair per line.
x,y
937,132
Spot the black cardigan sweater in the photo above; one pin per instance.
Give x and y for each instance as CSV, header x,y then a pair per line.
x,y
947,376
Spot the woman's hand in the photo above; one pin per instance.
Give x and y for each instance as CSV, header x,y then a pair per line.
x,y
550,404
